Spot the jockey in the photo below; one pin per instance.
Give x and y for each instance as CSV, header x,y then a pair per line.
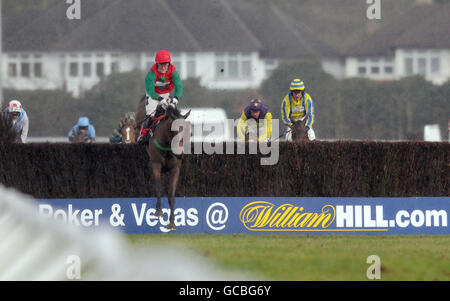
x,y
116,136
298,105
160,81
83,127
259,113
15,113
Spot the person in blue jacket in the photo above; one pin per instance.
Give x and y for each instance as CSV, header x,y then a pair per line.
x,y
83,131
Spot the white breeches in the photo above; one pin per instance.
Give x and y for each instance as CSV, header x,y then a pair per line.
x,y
150,108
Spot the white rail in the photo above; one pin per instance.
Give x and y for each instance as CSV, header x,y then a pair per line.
x,y
36,248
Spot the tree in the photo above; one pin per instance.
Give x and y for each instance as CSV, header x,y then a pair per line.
x,y
50,112
112,98
345,109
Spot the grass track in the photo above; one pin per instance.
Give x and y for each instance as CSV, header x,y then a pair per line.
x,y
299,257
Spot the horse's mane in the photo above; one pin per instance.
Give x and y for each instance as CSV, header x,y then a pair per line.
x,y
176,112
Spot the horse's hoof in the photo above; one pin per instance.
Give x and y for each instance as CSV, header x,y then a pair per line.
x,y
171,227
159,213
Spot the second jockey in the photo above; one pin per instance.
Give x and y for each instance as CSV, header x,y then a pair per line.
x,y
298,105
161,80
262,118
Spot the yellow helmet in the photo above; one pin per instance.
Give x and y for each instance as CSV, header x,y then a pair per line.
x,y
297,84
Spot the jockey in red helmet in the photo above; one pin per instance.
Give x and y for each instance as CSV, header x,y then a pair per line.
x,y
16,114
161,80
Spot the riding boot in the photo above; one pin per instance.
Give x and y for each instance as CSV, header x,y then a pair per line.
x,y
146,123
141,139
144,130
160,111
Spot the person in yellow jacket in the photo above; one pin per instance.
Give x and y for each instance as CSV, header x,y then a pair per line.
x,y
259,113
298,105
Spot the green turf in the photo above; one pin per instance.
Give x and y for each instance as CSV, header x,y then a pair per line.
x,y
295,257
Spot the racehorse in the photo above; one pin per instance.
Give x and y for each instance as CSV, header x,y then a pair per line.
x,y
7,134
129,129
80,137
162,159
299,131
141,112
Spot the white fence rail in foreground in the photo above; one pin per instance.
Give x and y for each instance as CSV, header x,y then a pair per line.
x,y
35,248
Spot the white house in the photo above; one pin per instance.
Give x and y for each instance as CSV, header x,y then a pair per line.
x,y
52,52
376,67
219,42
417,43
433,64
80,71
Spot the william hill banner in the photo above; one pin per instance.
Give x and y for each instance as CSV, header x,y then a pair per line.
x,y
264,215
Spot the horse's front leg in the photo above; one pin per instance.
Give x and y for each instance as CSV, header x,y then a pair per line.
x,y
174,175
156,170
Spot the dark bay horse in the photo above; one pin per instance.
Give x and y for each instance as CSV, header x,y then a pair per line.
x,y
141,111
300,131
163,159
7,134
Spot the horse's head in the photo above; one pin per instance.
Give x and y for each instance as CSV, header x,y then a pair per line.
x,y
165,132
80,138
172,114
128,130
128,134
300,131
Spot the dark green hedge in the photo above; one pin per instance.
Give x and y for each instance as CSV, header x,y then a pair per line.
x,y
319,169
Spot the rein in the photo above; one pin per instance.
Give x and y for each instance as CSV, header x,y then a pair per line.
x,y
160,147
165,149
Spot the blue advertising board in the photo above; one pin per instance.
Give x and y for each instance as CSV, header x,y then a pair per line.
x,y
258,215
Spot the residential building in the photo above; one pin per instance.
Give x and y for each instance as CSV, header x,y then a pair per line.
x,y
417,43
225,43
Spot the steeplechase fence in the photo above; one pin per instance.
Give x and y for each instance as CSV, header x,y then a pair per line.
x,y
319,169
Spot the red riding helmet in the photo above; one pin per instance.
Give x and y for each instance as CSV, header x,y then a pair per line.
x,y
163,56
